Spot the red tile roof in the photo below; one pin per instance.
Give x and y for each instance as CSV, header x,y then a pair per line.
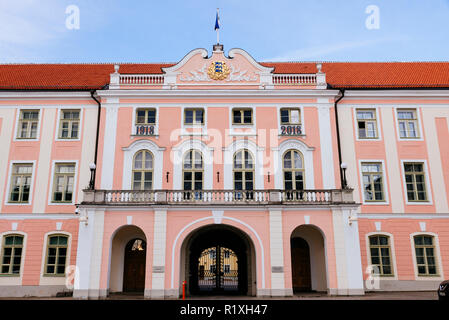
x,y
338,74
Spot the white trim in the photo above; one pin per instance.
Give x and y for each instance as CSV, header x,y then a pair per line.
x,y
43,94
402,216
228,165
185,59
326,146
250,59
379,133
233,127
109,145
158,160
16,127
440,272
196,127
58,123
429,201
48,279
418,120
217,93
8,187
392,253
262,262
301,111
397,93
14,280
156,125
52,181
176,157
384,183
34,216
307,153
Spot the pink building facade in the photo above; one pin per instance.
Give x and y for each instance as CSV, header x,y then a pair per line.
x,y
228,175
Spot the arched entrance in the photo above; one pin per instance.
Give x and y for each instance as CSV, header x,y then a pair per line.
x,y
128,260
219,260
134,267
301,280
308,259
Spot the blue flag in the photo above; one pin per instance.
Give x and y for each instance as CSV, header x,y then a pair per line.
x,y
217,22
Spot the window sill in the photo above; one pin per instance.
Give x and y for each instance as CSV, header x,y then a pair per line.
x,y
53,275
10,275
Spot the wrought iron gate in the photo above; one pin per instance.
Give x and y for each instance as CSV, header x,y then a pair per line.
x,y
218,270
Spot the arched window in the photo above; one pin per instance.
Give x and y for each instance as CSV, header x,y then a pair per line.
x,y
425,255
11,254
192,173
56,259
243,173
380,251
143,170
293,166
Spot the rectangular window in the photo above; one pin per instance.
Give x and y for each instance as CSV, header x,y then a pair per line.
x,y
63,182
20,183
415,181
242,116
28,122
69,124
425,255
372,181
380,254
367,123
146,116
227,268
194,116
11,255
408,123
56,255
290,116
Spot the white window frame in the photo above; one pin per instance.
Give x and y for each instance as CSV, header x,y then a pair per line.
x,y
233,127
199,130
393,264
12,280
134,121
8,188
58,123
46,279
440,271
75,183
378,128
301,111
429,201
418,120
384,183
15,135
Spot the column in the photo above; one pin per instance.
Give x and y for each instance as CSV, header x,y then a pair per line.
x,y
159,241
277,255
347,253
88,257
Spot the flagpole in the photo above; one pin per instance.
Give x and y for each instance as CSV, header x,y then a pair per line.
x,y
218,32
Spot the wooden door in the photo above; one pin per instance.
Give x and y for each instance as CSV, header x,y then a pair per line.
x,y
134,269
301,279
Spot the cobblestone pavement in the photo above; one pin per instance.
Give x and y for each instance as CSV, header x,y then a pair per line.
x,y
413,295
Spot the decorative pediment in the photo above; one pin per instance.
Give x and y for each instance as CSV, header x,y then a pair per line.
x,y
197,68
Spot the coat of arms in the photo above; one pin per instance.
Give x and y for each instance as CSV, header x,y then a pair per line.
x,y
218,70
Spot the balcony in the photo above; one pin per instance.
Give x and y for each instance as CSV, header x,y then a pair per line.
x,y
217,197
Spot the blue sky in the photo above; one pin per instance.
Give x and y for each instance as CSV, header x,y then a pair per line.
x,y
281,30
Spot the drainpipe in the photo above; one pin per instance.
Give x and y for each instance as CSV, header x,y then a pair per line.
x,y
98,133
342,94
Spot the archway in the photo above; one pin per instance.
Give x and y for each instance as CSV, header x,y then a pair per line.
x,y
308,259
218,260
134,266
128,260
